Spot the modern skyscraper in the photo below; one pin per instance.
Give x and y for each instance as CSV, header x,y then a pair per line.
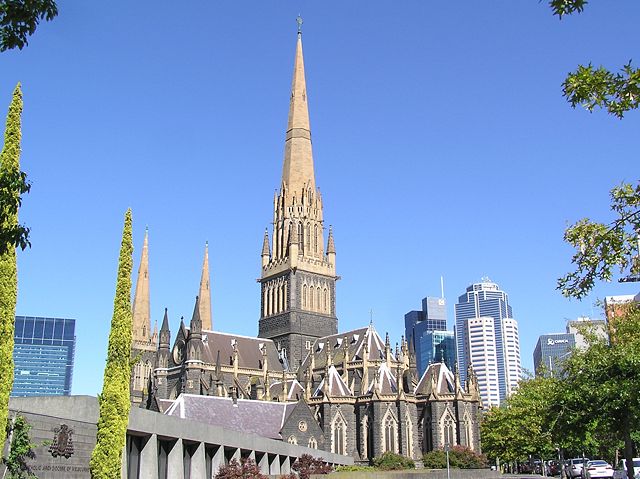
x,y
491,337
427,330
43,355
298,280
551,350
582,325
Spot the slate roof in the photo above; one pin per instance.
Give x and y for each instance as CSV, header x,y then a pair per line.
x,y
386,381
444,380
249,350
337,387
264,418
295,391
355,338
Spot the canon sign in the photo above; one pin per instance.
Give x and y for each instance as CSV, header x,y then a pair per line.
x,y
552,341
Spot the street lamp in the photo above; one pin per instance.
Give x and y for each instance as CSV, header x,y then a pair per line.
x,y
446,449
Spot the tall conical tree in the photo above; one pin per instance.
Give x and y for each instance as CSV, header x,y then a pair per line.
x,y
9,167
106,458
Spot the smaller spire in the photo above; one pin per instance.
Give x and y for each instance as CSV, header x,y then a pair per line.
x,y
205,292
331,247
165,321
265,244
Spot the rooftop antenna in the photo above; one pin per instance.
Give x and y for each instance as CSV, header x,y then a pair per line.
x,y
442,286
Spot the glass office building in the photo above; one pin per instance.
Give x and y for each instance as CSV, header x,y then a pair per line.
x,y
43,355
435,347
428,331
485,301
551,351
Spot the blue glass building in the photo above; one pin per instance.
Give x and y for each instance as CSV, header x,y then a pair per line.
x,y
483,300
428,331
551,351
43,354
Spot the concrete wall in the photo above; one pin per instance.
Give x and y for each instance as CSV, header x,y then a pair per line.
x,y
158,446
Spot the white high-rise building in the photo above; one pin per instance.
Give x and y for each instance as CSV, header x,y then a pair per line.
x,y
487,338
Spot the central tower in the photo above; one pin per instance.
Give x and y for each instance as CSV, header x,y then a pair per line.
x,y
298,280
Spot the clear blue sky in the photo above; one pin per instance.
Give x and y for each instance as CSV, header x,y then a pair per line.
x,y
442,146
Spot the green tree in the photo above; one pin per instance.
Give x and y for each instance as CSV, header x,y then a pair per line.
x,y
602,249
598,87
20,18
106,459
9,167
523,426
602,384
20,450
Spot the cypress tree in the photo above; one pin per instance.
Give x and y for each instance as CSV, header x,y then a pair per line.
x,y
106,458
9,167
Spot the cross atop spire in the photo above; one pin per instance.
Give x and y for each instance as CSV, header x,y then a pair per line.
x,y
299,22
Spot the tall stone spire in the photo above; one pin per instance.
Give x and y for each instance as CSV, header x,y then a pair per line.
x,y
298,278
141,304
205,293
297,170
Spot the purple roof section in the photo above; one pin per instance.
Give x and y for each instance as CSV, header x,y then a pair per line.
x,y
264,418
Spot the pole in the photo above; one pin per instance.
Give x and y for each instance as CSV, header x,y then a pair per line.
x,y
446,448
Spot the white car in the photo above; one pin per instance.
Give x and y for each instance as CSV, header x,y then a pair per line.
x,y
574,467
621,472
598,468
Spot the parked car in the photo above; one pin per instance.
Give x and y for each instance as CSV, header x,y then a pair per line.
x,y
621,471
598,468
553,468
574,466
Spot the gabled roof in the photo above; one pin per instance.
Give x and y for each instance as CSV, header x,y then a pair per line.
x,y
440,375
264,418
249,350
386,383
356,339
337,387
295,391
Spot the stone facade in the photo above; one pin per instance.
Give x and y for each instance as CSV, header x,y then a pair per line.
x,y
347,393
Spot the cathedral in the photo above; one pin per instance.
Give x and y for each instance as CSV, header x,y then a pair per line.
x,y
300,380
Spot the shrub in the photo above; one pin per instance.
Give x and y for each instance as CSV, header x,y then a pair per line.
x,y
436,459
460,457
390,461
354,468
245,469
306,465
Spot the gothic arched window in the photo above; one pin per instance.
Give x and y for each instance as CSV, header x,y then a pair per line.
x,y
449,434
313,444
409,432
311,293
339,435
308,238
326,300
300,237
315,238
304,296
292,440
390,432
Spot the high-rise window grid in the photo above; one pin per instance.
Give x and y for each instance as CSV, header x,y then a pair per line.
x,y
43,356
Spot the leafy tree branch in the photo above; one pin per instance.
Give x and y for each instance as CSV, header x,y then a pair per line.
x,y
20,18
